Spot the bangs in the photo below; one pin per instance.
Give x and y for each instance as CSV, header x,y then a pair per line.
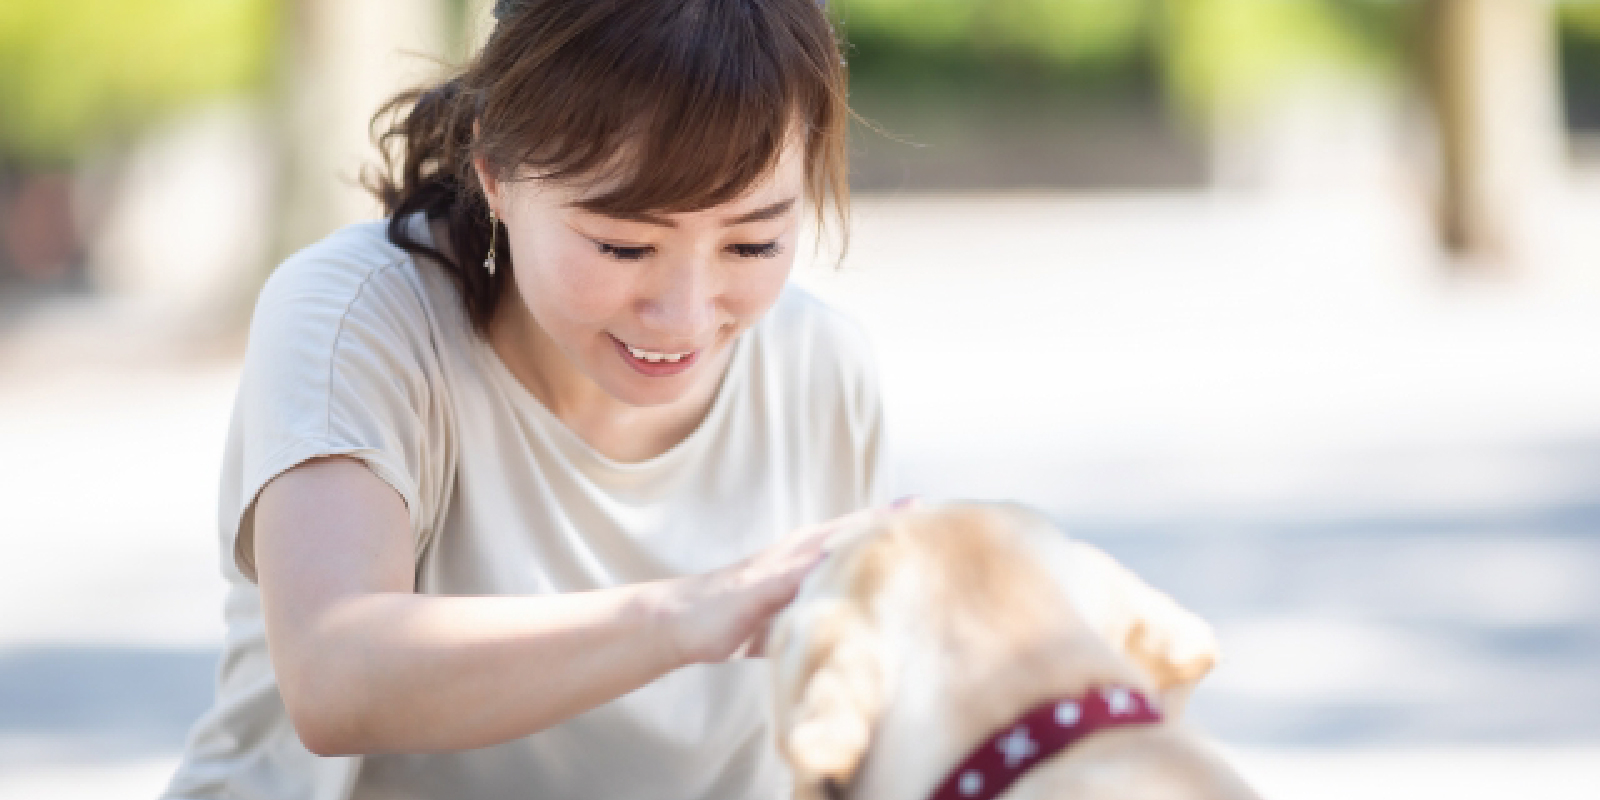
x,y
644,106
666,106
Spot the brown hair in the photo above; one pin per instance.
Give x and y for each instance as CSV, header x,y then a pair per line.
x,y
685,103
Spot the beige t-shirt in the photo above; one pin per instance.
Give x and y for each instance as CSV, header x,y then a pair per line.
x,y
356,348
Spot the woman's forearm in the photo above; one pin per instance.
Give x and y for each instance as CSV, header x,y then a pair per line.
x,y
365,665
407,672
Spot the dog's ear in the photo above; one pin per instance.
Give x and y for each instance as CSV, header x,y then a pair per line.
x,y
831,691
1172,645
1176,650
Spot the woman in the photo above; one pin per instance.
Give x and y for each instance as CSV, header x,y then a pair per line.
x,y
509,477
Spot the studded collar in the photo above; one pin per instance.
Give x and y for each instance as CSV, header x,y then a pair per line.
x,y
1041,732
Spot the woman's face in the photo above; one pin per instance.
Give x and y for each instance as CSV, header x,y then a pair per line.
x,y
647,307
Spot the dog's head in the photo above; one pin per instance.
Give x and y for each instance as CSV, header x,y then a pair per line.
x,y
976,578
829,662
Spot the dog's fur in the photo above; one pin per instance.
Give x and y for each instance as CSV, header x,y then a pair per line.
x,y
928,629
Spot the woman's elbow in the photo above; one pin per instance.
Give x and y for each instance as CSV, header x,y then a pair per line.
x,y
326,717
323,741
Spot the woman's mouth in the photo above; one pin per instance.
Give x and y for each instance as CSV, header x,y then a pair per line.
x,y
655,364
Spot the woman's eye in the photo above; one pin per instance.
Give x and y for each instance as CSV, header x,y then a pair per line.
x,y
767,250
621,253
625,253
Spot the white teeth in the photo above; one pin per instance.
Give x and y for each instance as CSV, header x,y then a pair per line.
x,y
655,358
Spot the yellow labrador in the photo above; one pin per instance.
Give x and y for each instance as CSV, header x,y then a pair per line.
x,y
947,652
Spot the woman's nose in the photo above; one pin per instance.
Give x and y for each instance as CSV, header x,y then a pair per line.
x,y
681,303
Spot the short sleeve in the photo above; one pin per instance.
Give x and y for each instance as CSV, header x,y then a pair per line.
x,y
847,439
339,362
869,436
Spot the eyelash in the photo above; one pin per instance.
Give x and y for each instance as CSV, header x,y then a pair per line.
x,y
767,250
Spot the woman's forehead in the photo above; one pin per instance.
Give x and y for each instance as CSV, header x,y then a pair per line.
x,y
785,181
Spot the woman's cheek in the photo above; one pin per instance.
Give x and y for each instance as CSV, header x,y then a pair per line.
x,y
588,285
758,289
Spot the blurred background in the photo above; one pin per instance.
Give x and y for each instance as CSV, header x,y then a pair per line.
x,y
1292,305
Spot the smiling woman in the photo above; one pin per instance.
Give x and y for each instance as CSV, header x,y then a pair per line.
x,y
612,310
685,111
517,477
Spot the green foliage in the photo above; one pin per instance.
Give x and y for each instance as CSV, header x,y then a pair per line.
x,y
1580,63
1205,53
1065,31
1581,17
72,71
1229,53
913,40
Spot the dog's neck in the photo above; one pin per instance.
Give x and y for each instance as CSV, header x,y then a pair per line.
x,y
947,703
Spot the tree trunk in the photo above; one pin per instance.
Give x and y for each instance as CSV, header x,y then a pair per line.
x,y
344,58
1491,73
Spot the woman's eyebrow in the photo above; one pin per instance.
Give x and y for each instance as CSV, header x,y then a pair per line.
x,y
766,212
777,209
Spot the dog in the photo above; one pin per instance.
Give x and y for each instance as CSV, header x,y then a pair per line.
x,y
936,648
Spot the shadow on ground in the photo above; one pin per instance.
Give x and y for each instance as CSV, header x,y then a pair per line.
x,y
71,703
1409,630
1386,632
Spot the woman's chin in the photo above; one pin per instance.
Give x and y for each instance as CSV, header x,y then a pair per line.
x,y
631,388
648,396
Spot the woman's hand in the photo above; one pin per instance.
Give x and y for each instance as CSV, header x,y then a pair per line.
x,y
710,617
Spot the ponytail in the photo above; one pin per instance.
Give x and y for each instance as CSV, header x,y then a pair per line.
x,y
424,139
695,99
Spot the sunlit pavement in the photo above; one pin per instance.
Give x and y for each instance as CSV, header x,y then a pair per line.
x,y
1384,490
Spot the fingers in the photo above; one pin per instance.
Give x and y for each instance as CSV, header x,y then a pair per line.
x,y
834,531
813,539
756,645
813,535
812,543
773,585
774,576
784,576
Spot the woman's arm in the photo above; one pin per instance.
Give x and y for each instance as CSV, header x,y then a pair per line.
x,y
366,665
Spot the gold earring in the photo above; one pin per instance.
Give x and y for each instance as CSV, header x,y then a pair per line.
x,y
494,229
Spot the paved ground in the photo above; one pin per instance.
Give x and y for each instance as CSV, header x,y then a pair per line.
x,y
1385,490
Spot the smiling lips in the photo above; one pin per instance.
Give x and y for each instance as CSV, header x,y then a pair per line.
x,y
654,364
646,355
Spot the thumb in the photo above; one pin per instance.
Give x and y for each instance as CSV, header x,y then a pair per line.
x,y
775,589
783,586
784,577
756,645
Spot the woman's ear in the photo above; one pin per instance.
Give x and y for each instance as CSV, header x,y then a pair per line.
x,y
486,178
487,181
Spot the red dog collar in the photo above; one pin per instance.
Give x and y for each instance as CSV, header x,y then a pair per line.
x,y
1043,731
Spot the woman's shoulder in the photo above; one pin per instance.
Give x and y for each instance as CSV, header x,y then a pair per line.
x,y
354,314
817,339
800,316
353,274
817,363
340,264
